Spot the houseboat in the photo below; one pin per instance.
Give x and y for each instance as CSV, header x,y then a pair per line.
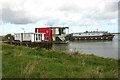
x,y
55,34
32,40
91,35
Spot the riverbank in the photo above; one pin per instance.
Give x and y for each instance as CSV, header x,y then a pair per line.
x,y
23,62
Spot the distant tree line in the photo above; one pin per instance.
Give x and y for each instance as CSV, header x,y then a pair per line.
x,y
7,37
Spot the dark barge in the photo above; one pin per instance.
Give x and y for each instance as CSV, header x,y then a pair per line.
x,y
46,45
93,38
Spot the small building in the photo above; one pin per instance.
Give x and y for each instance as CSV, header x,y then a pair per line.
x,y
29,37
54,33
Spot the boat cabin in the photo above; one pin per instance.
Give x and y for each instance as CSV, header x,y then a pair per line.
x,y
92,33
54,33
29,37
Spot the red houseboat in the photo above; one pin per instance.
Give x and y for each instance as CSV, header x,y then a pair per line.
x,y
55,34
47,33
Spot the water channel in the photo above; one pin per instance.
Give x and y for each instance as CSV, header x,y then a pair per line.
x,y
107,49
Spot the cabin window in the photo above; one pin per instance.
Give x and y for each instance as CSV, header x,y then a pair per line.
x,y
16,35
46,38
24,35
28,35
64,31
47,31
38,37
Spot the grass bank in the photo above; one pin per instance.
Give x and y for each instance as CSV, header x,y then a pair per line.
x,y
23,62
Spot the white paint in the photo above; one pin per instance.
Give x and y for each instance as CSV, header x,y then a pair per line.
x,y
52,31
37,30
67,31
57,30
18,36
43,36
32,37
87,34
28,37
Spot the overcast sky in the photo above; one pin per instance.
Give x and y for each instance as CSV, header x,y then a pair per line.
x,y
79,15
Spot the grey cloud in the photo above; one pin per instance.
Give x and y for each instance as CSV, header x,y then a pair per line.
x,y
111,6
55,22
91,13
51,22
17,17
70,8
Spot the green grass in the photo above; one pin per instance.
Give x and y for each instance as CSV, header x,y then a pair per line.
x,y
23,62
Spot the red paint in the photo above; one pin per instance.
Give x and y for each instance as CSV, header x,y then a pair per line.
x,y
47,31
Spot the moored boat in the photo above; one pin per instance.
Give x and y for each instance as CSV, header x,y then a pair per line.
x,y
32,40
92,35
